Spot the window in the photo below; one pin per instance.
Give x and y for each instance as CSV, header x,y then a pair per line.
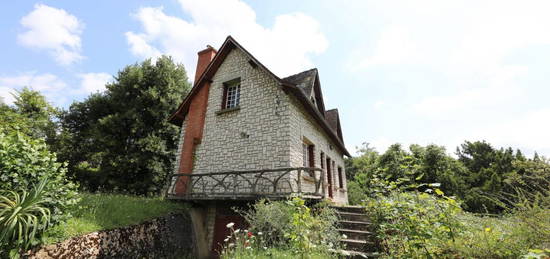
x,y
340,178
231,94
322,160
308,155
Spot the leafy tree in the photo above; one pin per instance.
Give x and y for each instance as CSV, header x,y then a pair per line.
x,y
32,116
484,178
121,140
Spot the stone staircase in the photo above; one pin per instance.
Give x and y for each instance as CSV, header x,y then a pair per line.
x,y
359,242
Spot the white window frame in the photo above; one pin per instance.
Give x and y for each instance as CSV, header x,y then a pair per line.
x,y
233,95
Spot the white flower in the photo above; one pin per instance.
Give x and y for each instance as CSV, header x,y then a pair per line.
x,y
237,231
344,236
231,245
260,233
225,240
248,247
265,247
230,225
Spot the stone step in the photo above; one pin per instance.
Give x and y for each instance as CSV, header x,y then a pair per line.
x,y
358,245
353,209
357,234
355,225
352,216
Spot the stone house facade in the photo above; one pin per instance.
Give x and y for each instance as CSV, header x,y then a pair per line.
x,y
274,123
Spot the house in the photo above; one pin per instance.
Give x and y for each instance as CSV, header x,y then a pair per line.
x,y
248,134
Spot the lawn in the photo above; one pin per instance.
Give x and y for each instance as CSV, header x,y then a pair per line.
x,y
97,212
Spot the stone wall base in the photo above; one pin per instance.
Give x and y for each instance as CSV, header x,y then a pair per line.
x,y
171,236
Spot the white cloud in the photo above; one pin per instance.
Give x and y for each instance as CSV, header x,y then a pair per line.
x,y
528,131
94,82
395,46
6,96
53,30
285,48
49,85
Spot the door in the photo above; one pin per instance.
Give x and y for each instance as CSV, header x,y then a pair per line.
x,y
329,177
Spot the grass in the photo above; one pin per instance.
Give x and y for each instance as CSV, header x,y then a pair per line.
x,y
506,236
97,212
271,253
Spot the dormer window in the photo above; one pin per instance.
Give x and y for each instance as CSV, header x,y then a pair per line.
x,y
231,94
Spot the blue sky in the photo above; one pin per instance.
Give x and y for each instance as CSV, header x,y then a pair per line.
x,y
426,71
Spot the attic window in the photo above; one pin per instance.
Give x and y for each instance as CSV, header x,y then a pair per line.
x,y
231,94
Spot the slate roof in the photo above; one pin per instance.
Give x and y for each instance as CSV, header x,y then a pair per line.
x,y
333,120
304,80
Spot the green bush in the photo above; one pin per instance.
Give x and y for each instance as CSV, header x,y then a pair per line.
x,y
284,225
411,224
24,162
23,217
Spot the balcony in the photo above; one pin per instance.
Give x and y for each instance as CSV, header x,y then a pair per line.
x,y
307,182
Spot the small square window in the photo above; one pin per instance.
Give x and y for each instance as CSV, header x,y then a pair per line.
x,y
231,94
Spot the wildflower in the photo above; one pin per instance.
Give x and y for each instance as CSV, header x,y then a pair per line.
x,y
230,225
344,236
231,245
225,240
260,233
237,231
248,247
249,234
487,229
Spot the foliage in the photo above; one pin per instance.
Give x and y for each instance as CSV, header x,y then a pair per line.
x,y
31,115
23,218
482,177
287,224
121,140
24,162
411,223
95,212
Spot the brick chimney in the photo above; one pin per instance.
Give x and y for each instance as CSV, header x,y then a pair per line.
x,y
195,119
205,56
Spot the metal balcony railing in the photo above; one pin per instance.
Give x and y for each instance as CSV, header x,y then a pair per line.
x,y
308,182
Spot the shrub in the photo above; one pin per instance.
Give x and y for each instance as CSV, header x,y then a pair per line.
x,y
24,162
411,224
287,225
23,216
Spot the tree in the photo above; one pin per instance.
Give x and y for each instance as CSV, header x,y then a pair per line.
x,y
31,115
121,139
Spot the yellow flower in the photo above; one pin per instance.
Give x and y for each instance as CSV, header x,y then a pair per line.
x,y
487,229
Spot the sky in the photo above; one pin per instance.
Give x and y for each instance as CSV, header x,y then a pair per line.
x,y
410,72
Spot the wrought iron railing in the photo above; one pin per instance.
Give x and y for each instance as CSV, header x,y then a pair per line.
x,y
252,184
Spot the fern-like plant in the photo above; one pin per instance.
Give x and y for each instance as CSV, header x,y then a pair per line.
x,y
23,216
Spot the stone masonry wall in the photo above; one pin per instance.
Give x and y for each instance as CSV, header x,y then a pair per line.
x,y
254,137
170,236
267,131
303,126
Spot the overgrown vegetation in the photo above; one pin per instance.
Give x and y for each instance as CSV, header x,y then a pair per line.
x,y
280,229
415,219
95,212
26,164
482,177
